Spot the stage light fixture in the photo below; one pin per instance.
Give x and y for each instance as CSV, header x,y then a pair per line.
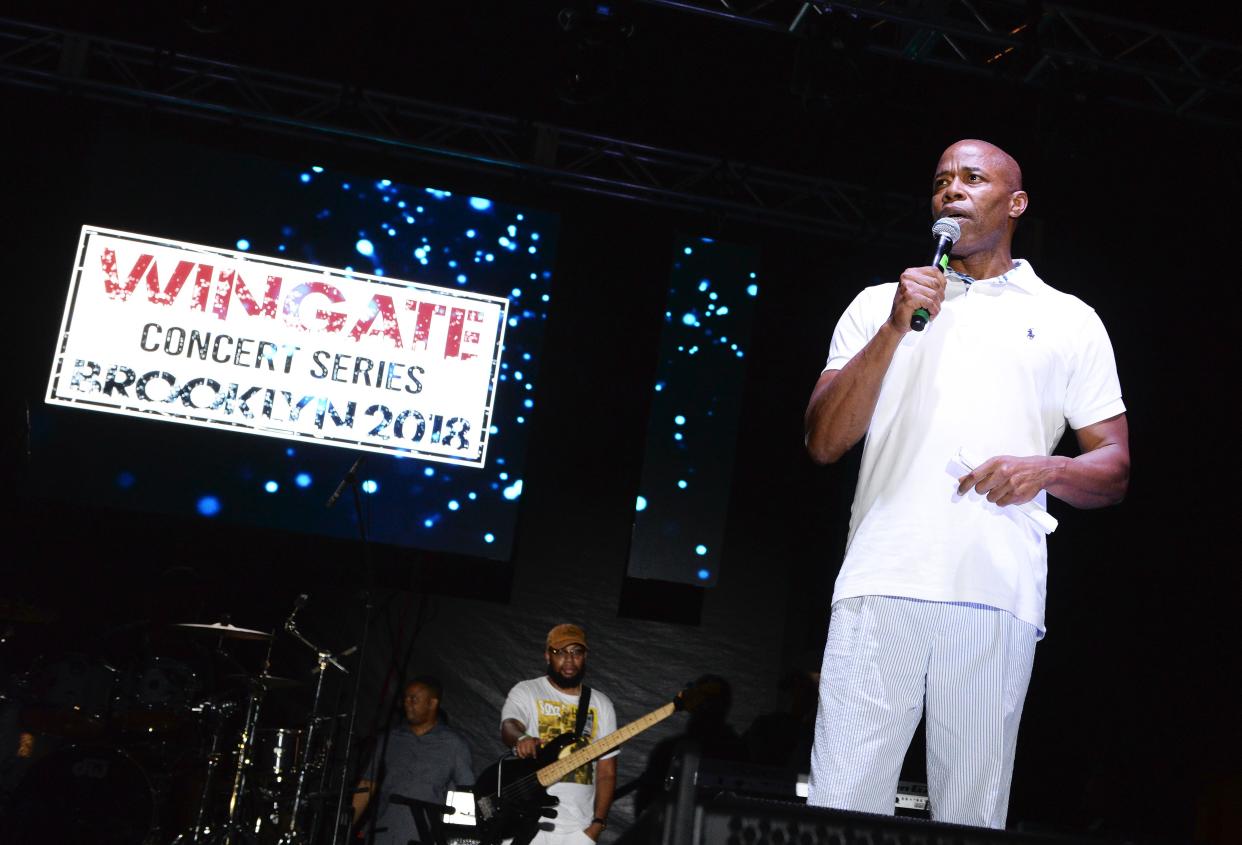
x,y
595,34
209,17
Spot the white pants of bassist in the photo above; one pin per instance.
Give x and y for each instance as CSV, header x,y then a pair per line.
x,y
885,659
547,837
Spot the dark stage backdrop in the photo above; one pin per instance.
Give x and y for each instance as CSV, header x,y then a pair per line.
x,y
1130,726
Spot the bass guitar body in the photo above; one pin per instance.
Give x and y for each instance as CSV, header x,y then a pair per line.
x,y
509,800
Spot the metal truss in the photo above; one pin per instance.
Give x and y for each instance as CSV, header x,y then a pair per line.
x,y
1083,54
77,64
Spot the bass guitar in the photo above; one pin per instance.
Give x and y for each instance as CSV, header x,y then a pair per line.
x,y
511,796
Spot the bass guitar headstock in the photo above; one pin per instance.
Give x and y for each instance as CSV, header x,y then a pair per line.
x,y
699,693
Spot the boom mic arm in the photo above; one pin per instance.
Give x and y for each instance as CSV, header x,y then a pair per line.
x,y
298,604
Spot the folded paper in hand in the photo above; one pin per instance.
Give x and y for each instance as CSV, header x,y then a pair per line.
x,y
1043,520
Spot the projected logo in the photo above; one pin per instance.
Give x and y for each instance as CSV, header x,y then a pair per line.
x,y
212,337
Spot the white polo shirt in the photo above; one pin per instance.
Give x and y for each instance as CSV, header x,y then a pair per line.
x,y
1000,371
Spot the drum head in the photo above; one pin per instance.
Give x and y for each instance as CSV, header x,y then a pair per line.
x,y
83,794
69,696
156,695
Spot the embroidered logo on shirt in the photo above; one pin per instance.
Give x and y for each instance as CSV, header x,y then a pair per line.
x,y
1030,333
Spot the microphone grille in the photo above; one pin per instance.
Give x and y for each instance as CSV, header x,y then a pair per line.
x,y
947,227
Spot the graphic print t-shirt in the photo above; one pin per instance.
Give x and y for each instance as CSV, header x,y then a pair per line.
x,y
547,713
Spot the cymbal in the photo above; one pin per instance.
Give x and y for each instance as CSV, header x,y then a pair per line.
x,y
268,681
226,630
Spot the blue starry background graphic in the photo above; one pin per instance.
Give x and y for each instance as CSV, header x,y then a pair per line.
x,y
443,238
317,215
682,502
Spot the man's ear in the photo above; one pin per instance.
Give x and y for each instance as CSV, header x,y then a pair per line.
x,y
1018,202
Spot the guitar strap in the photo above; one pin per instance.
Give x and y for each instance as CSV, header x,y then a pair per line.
x,y
584,705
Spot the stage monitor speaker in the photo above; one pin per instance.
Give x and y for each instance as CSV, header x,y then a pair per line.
x,y
743,820
688,815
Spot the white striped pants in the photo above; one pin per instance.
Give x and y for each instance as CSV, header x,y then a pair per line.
x,y
885,657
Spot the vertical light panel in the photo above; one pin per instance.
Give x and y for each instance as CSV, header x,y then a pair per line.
x,y
683,495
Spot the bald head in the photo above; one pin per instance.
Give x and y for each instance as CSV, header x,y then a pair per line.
x,y
1004,166
980,186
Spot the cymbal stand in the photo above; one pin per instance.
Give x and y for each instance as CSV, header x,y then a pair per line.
x,y
323,660
244,748
201,824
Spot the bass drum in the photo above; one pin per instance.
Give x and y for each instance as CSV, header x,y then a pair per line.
x,y
84,794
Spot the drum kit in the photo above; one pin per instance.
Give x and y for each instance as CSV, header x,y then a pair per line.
x,y
169,749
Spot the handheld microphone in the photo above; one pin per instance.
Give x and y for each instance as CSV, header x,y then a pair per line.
x,y
946,231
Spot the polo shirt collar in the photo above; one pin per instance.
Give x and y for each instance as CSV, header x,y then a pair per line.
x,y
1021,277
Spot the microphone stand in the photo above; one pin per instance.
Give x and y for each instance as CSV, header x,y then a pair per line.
x,y
367,605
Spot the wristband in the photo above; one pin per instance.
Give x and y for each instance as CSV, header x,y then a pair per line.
x,y
601,822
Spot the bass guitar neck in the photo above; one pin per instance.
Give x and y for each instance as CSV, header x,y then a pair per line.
x,y
554,772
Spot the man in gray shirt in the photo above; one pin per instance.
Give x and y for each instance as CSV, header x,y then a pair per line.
x,y
421,759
